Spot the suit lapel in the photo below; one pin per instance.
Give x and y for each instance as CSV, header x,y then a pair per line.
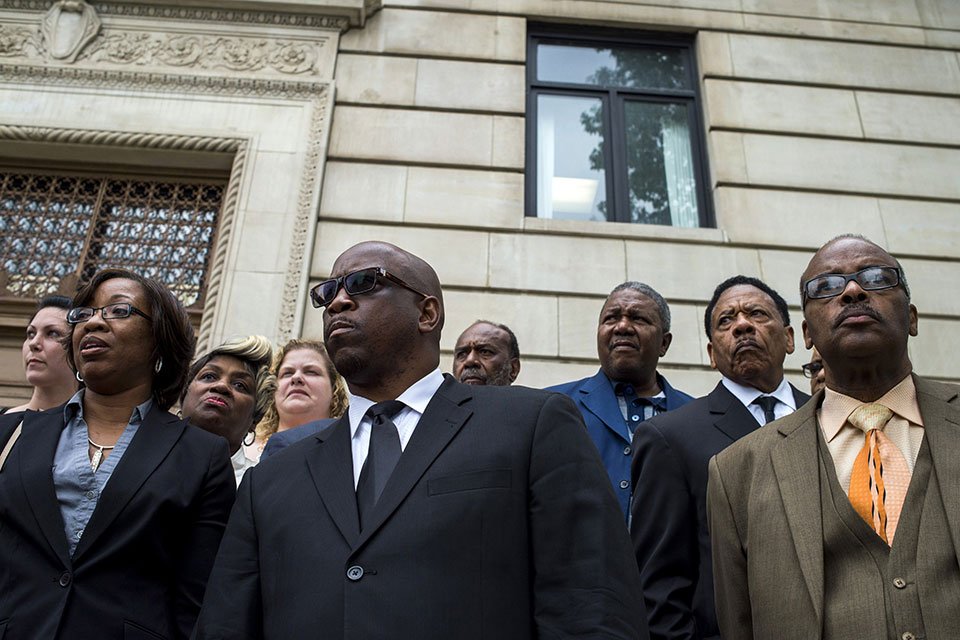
x,y
331,467
443,418
795,462
598,396
34,452
729,414
152,442
799,396
941,421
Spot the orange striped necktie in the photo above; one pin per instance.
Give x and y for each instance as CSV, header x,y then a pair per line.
x,y
878,484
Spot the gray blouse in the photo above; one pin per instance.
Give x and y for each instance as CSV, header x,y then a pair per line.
x,y
78,487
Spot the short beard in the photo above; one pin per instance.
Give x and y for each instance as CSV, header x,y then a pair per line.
x,y
500,378
349,365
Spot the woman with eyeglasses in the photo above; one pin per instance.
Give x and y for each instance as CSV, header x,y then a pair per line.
x,y
111,508
44,356
229,392
305,387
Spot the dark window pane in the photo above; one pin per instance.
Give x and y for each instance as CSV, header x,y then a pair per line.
x,y
632,68
570,151
660,171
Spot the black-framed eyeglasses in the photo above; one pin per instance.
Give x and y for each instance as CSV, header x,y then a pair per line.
x,y
115,311
355,283
811,369
829,285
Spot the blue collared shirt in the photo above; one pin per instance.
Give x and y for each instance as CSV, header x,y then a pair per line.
x,y
78,487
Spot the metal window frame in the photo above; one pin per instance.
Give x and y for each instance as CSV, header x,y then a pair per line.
x,y
614,99
105,174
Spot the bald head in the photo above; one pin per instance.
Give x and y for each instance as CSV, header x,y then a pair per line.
x,y
385,337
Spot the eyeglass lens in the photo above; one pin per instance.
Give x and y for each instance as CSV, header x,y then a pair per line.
x,y
109,312
870,279
358,282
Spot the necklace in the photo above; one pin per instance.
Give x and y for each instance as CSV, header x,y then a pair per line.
x,y
98,454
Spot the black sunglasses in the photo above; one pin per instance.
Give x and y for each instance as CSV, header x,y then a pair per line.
x,y
355,283
830,285
115,311
811,369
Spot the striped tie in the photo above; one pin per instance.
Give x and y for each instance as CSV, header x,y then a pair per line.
x,y
878,484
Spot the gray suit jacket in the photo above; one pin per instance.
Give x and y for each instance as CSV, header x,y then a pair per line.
x,y
766,521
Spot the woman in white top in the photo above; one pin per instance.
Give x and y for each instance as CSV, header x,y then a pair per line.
x,y
229,392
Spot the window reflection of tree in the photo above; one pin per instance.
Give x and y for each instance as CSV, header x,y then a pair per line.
x,y
648,197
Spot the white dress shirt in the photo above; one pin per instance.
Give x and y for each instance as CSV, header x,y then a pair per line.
x,y
784,394
416,398
240,463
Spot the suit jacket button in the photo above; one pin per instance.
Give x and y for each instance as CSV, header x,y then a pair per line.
x,y
65,579
899,583
626,450
624,484
355,573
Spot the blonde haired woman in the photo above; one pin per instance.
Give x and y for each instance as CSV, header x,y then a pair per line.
x,y
306,387
228,392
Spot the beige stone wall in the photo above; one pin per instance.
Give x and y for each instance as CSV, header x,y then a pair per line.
x,y
823,117
245,89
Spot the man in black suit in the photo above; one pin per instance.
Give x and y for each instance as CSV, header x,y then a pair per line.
x,y
749,336
458,512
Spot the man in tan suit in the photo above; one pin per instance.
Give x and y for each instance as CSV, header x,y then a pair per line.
x,y
824,529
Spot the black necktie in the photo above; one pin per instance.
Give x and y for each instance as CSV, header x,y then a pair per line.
x,y
382,456
767,403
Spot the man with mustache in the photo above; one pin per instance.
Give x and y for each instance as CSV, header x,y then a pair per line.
x,y
749,335
433,510
486,353
843,519
632,335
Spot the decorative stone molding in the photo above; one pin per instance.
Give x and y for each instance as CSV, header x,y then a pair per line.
x,y
190,51
294,289
335,14
55,135
152,141
218,260
19,42
162,82
300,242
68,27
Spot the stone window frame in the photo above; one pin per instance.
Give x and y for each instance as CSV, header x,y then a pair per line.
x,y
234,151
538,33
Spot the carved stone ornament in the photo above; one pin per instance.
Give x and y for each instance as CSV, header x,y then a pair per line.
x,y
68,27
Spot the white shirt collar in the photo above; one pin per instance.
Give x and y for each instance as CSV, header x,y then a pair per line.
x,y
417,396
747,395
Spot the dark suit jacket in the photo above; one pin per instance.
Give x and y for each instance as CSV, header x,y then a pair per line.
x,y
498,523
142,564
282,439
766,524
597,402
671,453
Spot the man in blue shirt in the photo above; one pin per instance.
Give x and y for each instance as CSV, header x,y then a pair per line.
x,y
632,335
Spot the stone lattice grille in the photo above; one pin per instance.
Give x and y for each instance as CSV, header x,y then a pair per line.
x,y
56,231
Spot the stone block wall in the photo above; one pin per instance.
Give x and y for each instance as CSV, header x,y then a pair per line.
x,y
822,118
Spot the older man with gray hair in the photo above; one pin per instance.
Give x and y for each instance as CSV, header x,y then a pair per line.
x,y
632,335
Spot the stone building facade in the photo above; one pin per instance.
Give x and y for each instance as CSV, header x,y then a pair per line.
x,y
421,122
